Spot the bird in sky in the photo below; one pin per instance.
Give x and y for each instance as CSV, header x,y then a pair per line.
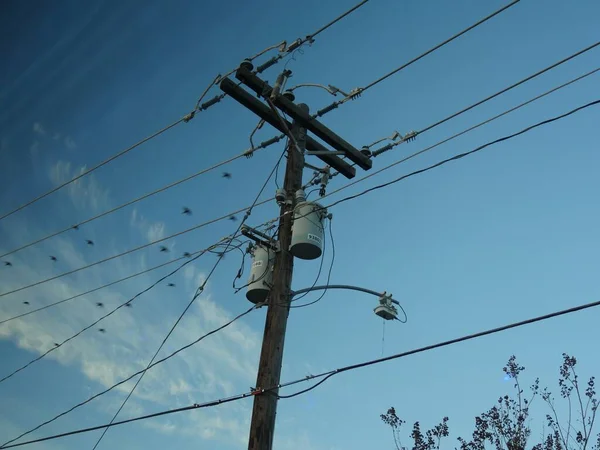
x,y
26,303
101,330
226,175
187,254
163,249
53,258
99,304
8,263
171,284
89,242
232,218
187,211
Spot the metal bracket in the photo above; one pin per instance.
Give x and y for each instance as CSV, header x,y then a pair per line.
x,y
260,238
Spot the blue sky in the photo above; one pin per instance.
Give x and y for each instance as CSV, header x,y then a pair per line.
x,y
500,236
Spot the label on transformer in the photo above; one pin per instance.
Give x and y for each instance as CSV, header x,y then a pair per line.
x,y
257,263
312,237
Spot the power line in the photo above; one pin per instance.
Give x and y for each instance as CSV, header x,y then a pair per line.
x,y
324,375
371,174
132,376
447,41
110,313
298,43
185,119
462,155
454,136
103,286
294,46
512,86
355,93
92,169
246,153
112,283
135,249
199,290
271,141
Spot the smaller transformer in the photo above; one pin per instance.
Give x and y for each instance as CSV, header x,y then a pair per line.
x,y
261,274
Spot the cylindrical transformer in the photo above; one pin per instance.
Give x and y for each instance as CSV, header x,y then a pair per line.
x,y
308,230
261,274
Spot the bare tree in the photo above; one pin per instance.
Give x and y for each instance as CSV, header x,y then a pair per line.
x,y
506,425
428,441
577,431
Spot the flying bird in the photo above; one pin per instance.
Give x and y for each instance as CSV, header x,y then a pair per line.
x,y
26,303
163,248
100,304
171,284
8,263
187,211
226,175
187,255
89,242
101,330
232,218
53,258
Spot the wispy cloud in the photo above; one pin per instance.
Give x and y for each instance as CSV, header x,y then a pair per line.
x,y
70,143
34,148
151,231
39,129
85,192
155,231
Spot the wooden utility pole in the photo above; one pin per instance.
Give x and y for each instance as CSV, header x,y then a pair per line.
x,y
262,427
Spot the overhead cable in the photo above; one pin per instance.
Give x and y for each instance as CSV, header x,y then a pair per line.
x,y
155,363
110,313
324,376
355,93
462,155
296,44
309,39
135,249
103,286
105,162
199,291
454,136
246,153
512,86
